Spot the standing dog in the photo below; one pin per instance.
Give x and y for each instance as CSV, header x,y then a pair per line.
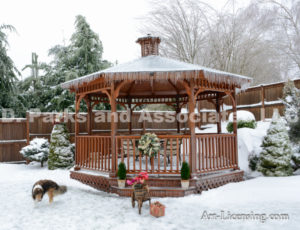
x,y
47,186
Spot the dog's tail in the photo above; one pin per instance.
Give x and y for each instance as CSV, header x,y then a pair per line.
x,y
61,190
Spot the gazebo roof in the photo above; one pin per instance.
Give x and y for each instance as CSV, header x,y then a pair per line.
x,y
145,68
153,67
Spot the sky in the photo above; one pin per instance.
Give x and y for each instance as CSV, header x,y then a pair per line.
x,y
43,24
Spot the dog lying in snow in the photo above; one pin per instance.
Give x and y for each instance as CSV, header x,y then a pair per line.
x,y
47,186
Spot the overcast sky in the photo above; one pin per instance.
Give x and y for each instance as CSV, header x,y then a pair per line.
x,y
43,24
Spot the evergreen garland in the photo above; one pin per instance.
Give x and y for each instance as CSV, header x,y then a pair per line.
x,y
149,144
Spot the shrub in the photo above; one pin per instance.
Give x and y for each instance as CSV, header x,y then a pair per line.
x,y
241,124
253,162
296,160
294,131
122,171
37,150
185,171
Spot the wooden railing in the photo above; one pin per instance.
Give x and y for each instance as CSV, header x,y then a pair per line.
x,y
213,152
174,150
216,152
94,152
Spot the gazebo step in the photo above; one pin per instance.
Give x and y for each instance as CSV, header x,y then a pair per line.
x,y
160,187
156,191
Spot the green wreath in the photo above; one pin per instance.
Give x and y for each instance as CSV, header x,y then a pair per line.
x,y
149,144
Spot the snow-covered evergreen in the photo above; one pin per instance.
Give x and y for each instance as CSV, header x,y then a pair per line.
x,y
61,154
37,150
291,101
275,158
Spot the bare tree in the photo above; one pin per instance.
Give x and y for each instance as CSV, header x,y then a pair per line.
x,y
286,16
234,40
182,25
240,43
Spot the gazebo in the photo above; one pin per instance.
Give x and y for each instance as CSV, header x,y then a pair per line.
x,y
152,79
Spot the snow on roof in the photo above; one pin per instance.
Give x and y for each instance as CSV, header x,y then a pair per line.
x,y
161,68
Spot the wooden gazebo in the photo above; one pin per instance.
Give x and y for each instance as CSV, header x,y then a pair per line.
x,y
152,79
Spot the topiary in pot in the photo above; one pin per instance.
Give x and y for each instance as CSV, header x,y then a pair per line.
x,y
185,175
121,175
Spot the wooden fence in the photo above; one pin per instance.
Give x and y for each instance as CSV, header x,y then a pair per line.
x,y
15,133
260,100
12,139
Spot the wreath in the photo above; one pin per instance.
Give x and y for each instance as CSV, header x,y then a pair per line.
x,y
149,144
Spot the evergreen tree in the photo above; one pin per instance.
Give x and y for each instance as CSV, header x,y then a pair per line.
x,y
86,48
37,150
291,101
276,155
35,67
8,72
61,152
83,56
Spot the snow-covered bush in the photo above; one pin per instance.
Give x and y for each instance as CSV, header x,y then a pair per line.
x,y
275,158
61,153
37,150
245,119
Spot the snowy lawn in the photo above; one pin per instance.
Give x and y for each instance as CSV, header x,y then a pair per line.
x,y
85,208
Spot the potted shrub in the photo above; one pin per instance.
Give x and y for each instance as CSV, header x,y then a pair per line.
x,y
185,175
121,175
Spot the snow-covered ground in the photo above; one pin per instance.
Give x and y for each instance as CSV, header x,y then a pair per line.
x,y
85,208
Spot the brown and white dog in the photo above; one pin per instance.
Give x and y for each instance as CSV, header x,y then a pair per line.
x,y
47,186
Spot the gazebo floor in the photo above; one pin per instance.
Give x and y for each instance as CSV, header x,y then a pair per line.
x,y
162,186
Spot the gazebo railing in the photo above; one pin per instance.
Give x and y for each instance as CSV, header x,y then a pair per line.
x,y
174,150
94,152
215,152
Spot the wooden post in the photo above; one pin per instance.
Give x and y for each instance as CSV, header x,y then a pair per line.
x,y
263,111
130,118
219,128
192,104
27,128
113,128
177,112
89,116
77,106
235,129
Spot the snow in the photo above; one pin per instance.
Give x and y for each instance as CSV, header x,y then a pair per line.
x,y
83,207
144,67
12,141
242,115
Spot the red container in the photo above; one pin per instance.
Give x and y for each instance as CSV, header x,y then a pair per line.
x,y
157,209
